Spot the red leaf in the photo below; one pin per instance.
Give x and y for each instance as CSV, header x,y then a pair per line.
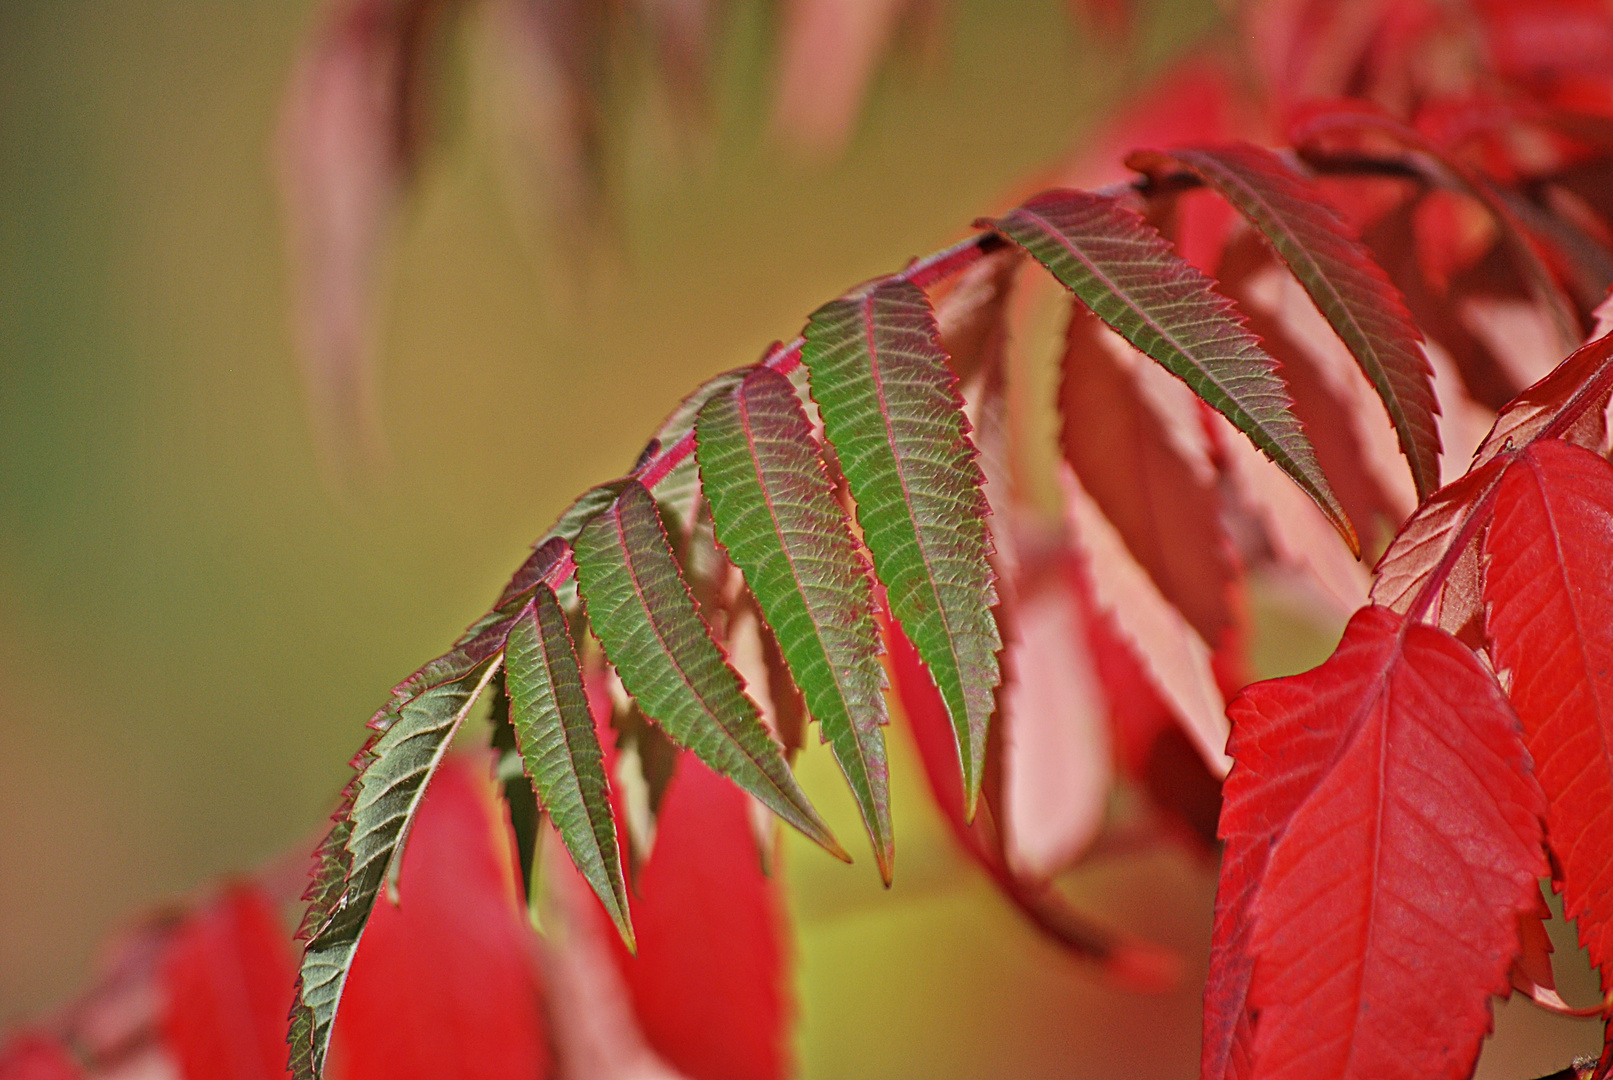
x,y
1175,660
445,984
1133,435
1136,964
1549,585
35,1056
709,983
1555,406
227,985
1383,836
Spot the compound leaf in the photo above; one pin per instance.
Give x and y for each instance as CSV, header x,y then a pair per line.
x,y
776,514
1350,290
1123,270
891,410
641,609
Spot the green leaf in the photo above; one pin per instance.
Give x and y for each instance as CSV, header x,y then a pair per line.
x,y
642,612
365,845
1122,269
776,513
555,734
1350,290
892,413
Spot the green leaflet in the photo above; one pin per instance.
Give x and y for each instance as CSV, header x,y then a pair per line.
x,y
1349,289
555,733
642,612
1122,269
776,514
396,767
892,413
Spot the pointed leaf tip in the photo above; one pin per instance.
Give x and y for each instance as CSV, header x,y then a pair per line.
x,y
645,616
1127,274
560,750
775,512
1338,272
891,410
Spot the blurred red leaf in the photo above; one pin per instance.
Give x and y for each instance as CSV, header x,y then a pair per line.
x,y
37,1056
227,983
709,984
445,983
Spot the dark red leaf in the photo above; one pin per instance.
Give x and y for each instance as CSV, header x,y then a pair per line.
x,y
445,984
227,987
710,981
1549,585
1383,836
1133,435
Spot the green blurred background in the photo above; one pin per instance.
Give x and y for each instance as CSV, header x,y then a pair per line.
x,y
193,628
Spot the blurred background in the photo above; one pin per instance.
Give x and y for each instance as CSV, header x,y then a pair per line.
x,y
196,619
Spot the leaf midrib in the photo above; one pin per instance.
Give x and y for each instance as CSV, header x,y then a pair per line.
x,y
866,306
742,404
666,650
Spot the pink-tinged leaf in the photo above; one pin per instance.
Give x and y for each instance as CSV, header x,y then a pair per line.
x,y
1324,119
596,1033
1332,397
829,52
1127,274
1131,962
1173,656
37,1056
970,316
1347,286
445,983
349,139
1383,836
227,983
1549,586
1429,544
1577,389
710,983
1053,731
1300,538
1056,759
1134,437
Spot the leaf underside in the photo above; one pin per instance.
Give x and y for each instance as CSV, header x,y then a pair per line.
x,y
1383,838
643,614
891,411
776,514
560,750
1350,290
1123,270
364,846
1549,588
